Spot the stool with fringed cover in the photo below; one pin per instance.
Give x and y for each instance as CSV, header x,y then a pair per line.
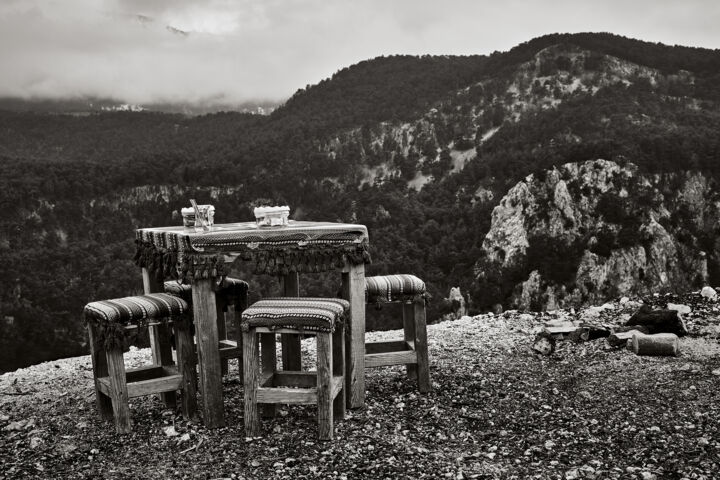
x,y
231,292
412,350
265,384
112,324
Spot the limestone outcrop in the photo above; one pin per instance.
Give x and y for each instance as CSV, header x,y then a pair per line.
x,y
586,232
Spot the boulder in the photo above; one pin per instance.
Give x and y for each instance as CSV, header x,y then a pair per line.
x,y
680,308
709,293
658,321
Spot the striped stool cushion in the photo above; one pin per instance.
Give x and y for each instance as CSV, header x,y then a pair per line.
x,y
111,317
135,310
232,291
302,313
393,288
181,290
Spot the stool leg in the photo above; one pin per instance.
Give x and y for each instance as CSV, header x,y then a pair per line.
x,y
250,383
408,315
338,360
421,346
186,367
119,394
164,357
291,352
268,358
100,369
235,318
159,336
222,333
324,385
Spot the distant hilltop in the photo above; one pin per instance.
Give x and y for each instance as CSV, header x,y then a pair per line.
x,y
80,106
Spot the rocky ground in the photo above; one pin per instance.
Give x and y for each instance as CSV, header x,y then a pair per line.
x,y
498,410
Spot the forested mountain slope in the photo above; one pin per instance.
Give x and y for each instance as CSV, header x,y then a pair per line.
x,y
420,149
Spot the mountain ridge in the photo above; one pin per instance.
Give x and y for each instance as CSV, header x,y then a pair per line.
x,y
423,170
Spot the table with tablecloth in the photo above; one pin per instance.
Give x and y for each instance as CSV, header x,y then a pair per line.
x,y
202,258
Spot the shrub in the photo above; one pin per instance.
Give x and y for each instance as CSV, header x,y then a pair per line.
x,y
555,259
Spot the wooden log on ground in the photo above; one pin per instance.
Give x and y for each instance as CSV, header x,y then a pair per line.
x,y
595,332
620,339
660,344
578,334
561,330
638,328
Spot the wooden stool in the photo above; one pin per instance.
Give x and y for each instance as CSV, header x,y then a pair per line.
x,y
412,351
110,324
322,317
231,291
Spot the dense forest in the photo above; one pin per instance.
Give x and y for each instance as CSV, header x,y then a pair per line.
x,y
419,149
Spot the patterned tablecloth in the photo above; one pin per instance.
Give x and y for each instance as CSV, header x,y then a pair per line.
x,y
177,252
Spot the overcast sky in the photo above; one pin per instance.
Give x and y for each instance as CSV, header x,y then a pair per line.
x,y
235,50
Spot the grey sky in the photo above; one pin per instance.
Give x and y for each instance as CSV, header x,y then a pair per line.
x,y
237,50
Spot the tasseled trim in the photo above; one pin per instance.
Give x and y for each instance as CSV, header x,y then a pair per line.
x,y
113,335
282,261
196,266
164,264
310,326
161,262
379,300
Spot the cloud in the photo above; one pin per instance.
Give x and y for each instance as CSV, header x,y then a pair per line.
x,y
238,50
233,51
48,52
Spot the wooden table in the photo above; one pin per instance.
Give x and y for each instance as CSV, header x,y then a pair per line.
x,y
202,258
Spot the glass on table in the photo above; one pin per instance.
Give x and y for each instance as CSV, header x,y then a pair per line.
x,y
202,223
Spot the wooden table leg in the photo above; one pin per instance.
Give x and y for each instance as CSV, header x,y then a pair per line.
x,y
291,353
353,287
186,367
159,336
206,337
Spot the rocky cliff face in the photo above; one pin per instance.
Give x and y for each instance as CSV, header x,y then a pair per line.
x,y
585,232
